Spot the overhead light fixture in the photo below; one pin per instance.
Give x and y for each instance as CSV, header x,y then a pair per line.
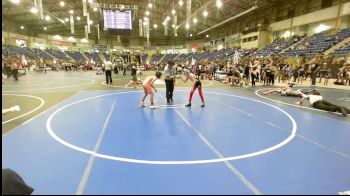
x,y
147,13
71,39
176,35
45,28
207,36
195,20
205,13
47,18
62,3
218,3
34,10
150,5
181,3
145,18
164,23
144,23
61,20
91,22
187,26
22,27
191,35
78,17
95,9
90,1
71,11
15,1
155,26
84,40
173,12
58,37
122,7
66,19
173,26
168,18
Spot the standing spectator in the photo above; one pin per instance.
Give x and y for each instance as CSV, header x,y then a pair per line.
x,y
315,67
169,72
15,66
125,66
108,70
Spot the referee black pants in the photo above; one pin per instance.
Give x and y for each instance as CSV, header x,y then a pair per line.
x,y
108,76
169,89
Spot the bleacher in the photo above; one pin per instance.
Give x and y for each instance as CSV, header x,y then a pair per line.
x,y
144,58
58,54
168,57
18,51
43,54
277,46
156,58
343,50
93,55
317,43
75,55
107,57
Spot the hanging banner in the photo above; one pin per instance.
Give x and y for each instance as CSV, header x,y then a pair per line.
x,y
86,32
84,8
41,13
88,22
175,24
98,31
140,27
71,24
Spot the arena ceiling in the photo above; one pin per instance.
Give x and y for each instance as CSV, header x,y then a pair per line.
x,y
20,14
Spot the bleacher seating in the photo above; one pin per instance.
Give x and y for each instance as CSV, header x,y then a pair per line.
x,y
43,54
156,58
75,55
144,58
317,43
168,57
93,55
18,51
277,46
58,54
343,50
107,57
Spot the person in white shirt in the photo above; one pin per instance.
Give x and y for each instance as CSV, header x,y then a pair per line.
x,y
317,101
108,70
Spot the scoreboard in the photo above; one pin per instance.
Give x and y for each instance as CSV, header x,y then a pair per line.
x,y
115,19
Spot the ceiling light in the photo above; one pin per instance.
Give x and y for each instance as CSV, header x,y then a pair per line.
x,y
173,26
144,22
15,1
58,37
22,27
78,17
145,18
45,28
147,13
176,35
191,35
95,9
122,7
34,10
168,18
90,1
207,36
71,11
71,39
62,3
150,5
218,3
181,3
61,20
47,18
187,26
66,19
173,12
155,26
164,23
90,22
195,20
205,13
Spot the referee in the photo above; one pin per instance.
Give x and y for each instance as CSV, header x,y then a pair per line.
x,y
108,69
169,72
